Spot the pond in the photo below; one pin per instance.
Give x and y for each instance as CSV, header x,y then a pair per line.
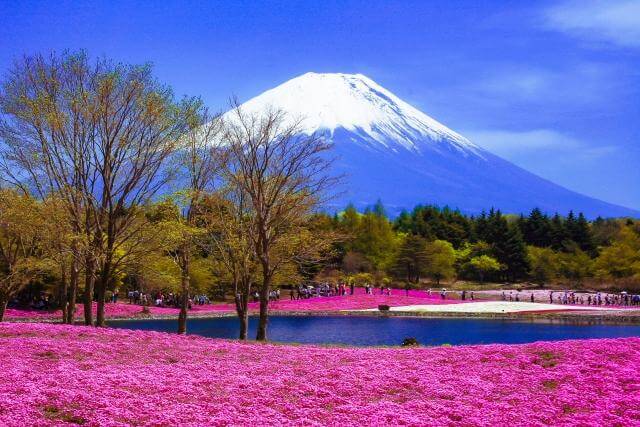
x,y
378,331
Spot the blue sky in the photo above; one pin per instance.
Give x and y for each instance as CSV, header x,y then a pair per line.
x,y
552,86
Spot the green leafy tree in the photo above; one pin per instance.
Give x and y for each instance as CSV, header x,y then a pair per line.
x,y
622,258
412,258
484,265
576,265
465,254
21,257
544,263
372,236
440,258
605,231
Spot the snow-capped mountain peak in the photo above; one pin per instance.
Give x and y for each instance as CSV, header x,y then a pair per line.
x,y
389,150
353,102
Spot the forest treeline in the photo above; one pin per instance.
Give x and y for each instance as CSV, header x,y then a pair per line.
x,y
427,245
443,244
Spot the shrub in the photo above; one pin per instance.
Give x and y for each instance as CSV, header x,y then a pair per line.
x,y
410,342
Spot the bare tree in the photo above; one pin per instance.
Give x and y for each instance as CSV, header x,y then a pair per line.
x,y
101,134
46,134
284,174
229,222
198,157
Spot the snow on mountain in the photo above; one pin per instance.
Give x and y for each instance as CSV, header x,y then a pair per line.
x,y
353,102
391,151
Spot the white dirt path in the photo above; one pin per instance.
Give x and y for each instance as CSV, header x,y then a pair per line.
x,y
492,307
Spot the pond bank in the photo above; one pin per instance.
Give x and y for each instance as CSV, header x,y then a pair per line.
x,y
630,316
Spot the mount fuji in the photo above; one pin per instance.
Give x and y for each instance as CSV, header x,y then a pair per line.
x,y
391,151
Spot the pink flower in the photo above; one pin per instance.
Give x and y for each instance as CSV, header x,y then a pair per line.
x,y
57,374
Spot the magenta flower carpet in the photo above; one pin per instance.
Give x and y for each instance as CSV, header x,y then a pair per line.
x,y
56,374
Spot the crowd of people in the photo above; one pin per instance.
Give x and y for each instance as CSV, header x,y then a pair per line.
x,y
335,289
42,301
274,295
578,298
554,297
160,299
599,298
320,290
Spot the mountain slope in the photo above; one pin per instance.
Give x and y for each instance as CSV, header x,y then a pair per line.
x,y
391,151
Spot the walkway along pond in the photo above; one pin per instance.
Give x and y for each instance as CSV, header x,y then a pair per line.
x,y
381,331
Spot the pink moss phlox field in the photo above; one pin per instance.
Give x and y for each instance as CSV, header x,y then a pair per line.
x,y
117,310
359,300
56,374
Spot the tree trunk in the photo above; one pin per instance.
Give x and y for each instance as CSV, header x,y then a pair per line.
x,y
64,293
100,296
242,306
3,306
73,292
409,271
185,284
244,325
243,315
264,308
101,291
88,290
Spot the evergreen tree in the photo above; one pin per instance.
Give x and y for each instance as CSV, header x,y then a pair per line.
x,y
558,233
404,223
455,227
514,254
536,229
581,234
480,226
379,210
496,228
570,225
521,223
507,245
431,222
350,219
